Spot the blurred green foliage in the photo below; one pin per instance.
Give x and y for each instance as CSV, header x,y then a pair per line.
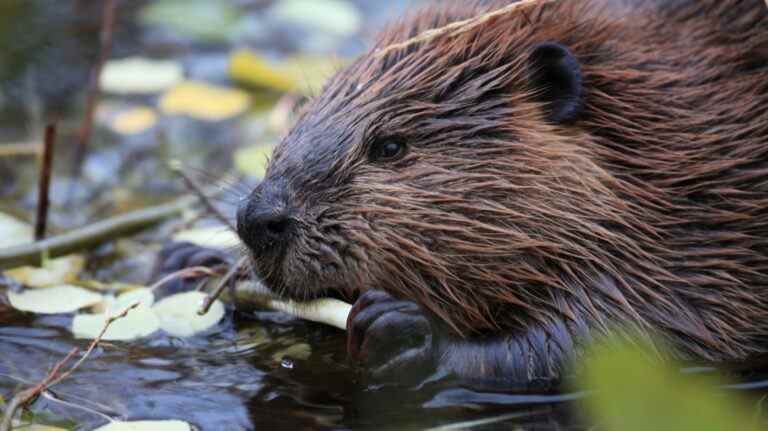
x,y
633,392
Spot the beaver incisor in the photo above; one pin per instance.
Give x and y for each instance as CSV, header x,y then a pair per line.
x,y
500,194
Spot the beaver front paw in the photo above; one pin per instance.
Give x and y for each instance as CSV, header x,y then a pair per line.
x,y
176,256
392,339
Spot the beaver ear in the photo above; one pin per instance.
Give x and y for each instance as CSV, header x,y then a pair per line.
x,y
556,74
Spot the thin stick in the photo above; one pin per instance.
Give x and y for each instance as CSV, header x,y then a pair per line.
x,y
328,311
197,189
43,186
192,271
20,149
94,234
105,46
458,27
22,398
94,343
222,284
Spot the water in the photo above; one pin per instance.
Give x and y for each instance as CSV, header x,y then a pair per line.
x,y
250,374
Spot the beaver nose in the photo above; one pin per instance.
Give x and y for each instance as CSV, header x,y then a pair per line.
x,y
263,220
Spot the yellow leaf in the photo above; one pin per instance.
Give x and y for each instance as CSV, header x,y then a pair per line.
x,y
63,270
252,160
204,101
134,120
304,75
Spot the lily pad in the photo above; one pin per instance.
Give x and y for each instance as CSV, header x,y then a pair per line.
x,y
167,425
63,270
136,75
252,160
13,231
178,314
215,237
53,300
204,101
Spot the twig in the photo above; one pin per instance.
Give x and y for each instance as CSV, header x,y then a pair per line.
x,y
20,149
458,27
96,233
197,189
43,187
206,305
22,398
328,311
192,272
105,46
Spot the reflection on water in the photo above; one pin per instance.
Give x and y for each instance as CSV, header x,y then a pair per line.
x,y
243,377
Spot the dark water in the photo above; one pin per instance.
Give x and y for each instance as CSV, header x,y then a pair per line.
x,y
249,374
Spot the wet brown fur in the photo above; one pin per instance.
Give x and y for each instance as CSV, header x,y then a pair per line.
x,y
650,210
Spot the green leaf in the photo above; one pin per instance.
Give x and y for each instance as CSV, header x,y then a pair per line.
x,y
205,20
632,392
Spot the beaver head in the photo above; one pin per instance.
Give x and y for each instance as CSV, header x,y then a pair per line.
x,y
480,174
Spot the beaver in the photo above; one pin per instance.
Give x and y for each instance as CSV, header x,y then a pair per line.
x,y
498,195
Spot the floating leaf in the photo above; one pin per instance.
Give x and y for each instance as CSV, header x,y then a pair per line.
x,y
167,425
634,393
304,75
329,16
178,314
137,75
142,295
215,237
134,121
138,323
13,231
204,101
252,160
63,270
52,300
207,20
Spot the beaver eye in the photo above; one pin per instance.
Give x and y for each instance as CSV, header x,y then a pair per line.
x,y
387,150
